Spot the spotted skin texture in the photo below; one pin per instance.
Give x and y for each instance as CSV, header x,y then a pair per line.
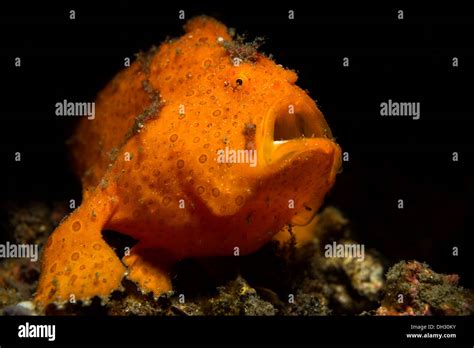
x,y
148,163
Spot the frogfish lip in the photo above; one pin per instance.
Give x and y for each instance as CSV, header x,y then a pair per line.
x,y
293,126
295,131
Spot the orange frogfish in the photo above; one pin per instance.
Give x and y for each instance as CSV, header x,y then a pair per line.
x,y
202,147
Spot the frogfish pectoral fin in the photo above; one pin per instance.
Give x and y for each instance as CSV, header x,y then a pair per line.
x,y
77,263
149,269
301,234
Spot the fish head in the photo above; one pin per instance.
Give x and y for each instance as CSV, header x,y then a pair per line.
x,y
256,146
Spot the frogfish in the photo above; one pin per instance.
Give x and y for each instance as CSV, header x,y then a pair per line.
x,y
203,146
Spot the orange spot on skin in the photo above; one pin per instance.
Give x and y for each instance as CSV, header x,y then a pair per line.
x,y
76,226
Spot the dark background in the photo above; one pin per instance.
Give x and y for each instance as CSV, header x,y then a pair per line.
x,y
390,158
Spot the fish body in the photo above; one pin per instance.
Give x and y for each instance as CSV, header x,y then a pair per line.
x,y
202,147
